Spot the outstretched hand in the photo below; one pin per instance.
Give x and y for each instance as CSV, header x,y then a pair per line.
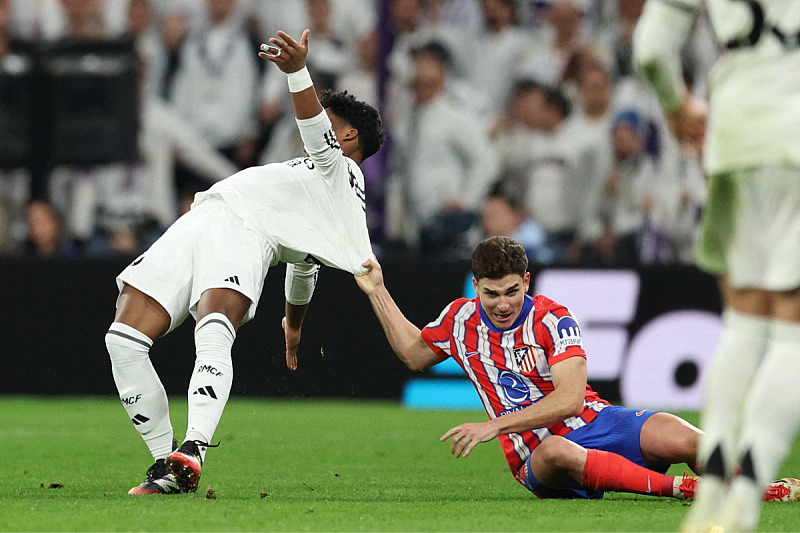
x,y
285,52
292,337
372,278
467,436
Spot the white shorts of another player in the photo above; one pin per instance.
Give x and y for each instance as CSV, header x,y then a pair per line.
x,y
208,247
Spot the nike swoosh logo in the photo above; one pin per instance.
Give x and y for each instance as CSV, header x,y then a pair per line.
x,y
470,354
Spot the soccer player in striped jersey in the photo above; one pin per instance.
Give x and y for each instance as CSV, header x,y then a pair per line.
x,y
750,235
212,263
525,357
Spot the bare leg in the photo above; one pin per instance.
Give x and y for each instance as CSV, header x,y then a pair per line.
x,y
667,439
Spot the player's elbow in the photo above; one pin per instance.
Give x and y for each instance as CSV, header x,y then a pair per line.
x,y
415,364
574,407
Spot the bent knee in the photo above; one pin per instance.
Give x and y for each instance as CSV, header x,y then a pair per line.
x,y
555,451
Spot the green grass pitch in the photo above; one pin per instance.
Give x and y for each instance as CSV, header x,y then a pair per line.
x,y
66,464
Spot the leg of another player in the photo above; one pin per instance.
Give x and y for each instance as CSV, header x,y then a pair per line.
x,y
740,351
561,463
140,320
771,416
219,314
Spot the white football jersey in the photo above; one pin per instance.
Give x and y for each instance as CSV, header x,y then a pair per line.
x,y
313,207
754,89
754,114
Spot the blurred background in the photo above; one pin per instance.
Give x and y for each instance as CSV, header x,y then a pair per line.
x,y
504,117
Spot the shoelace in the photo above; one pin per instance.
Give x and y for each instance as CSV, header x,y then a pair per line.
x,y
158,470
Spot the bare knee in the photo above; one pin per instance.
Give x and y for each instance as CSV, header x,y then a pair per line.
x,y
558,461
141,312
667,439
231,303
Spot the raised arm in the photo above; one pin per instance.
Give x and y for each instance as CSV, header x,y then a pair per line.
x,y
290,57
660,33
404,337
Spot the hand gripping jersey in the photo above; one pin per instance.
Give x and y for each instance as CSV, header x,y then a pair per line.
x,y
510,368
313,207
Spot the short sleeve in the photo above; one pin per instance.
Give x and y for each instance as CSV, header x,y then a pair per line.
x,y
437,334
565,339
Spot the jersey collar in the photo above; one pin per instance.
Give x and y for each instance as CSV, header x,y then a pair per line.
x,y
526,308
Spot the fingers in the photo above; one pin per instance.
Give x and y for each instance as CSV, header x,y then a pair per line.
x,y
459,441
291,42
449,434
291,351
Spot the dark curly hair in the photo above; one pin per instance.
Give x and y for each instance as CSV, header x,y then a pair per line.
x,y
497,257
360,115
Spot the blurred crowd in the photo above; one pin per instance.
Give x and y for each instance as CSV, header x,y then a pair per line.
x,y
505,117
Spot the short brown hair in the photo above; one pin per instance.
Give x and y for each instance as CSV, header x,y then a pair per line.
x,y
497,257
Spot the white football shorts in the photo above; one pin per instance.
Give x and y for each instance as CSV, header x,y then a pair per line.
x,y
751,228
207,248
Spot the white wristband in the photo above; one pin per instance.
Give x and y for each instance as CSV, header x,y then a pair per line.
x,y
299,81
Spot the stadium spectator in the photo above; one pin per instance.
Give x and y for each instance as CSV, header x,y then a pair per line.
x,y
212,263
149,44
45,232
215,86
516,131
748,238
563,38
502,214
552,174
497,52
118,208
412,30
80,19
443,163
621,202
525,358
362,79
670,229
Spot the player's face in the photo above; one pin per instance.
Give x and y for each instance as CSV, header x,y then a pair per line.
x,y
502,299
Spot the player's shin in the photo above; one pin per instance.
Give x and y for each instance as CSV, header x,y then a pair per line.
x,y
606,471
210,385
771,421
140,390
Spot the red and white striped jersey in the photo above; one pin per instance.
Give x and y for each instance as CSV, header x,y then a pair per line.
x,y
510,368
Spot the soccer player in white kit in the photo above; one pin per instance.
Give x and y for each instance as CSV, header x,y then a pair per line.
x,y
750,237
212,263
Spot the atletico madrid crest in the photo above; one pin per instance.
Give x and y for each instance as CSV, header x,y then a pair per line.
x,y
524,358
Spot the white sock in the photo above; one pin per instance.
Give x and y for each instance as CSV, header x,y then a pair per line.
x,y
140,389
210,385
738,355
770,423
740,350
772,416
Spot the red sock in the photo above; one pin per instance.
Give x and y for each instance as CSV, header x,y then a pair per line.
x,y
609,471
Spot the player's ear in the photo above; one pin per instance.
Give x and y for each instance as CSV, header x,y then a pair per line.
x,y
350,134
